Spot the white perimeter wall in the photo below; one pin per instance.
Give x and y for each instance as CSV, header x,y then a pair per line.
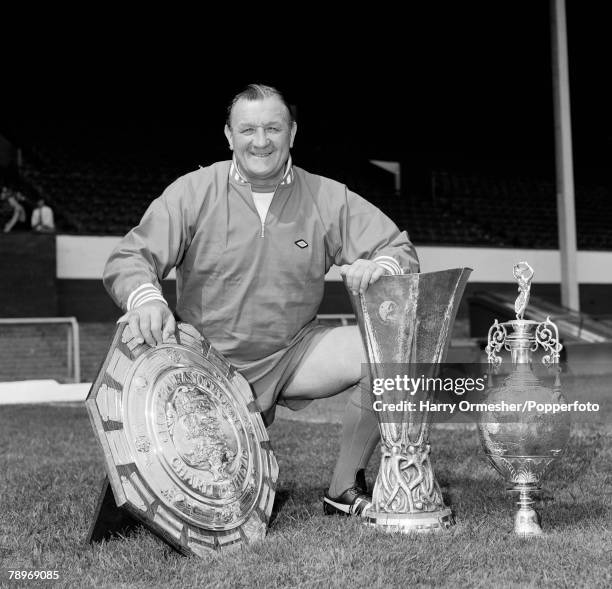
x,y
84,258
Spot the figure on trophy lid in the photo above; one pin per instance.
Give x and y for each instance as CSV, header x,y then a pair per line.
x,y
523,273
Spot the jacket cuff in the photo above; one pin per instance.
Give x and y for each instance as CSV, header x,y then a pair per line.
x,y
389,264
144,294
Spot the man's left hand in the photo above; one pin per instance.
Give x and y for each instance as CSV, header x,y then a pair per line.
x,y
360,274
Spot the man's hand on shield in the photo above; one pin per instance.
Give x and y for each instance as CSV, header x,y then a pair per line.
x,y
152,322
360,274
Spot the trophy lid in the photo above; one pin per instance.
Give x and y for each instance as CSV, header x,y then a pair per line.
x,y
523,273
522,329
526,334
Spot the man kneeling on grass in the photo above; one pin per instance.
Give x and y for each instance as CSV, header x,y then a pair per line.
x,y
251,240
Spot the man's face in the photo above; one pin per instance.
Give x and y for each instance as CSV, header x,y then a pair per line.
x,y
260,137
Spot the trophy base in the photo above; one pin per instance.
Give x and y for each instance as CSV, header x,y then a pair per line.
x,y
406,523
527,522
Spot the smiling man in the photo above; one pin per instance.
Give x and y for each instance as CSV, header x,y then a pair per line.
x,y
260,133
251,240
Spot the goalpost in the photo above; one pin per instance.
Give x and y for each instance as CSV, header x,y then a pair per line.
x,y
73,342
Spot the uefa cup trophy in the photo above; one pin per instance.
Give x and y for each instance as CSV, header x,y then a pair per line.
x,y
522,443
406,323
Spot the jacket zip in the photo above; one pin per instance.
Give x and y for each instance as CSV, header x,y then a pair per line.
x,y
263,223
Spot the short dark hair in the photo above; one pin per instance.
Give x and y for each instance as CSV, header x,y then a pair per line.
x,y
257,92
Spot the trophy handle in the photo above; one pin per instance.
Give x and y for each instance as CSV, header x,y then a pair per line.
x,y
547,336
495,340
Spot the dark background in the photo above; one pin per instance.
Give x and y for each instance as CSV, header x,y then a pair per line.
x,y
462,85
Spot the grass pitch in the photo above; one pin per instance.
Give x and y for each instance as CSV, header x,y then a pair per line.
x,y
51,470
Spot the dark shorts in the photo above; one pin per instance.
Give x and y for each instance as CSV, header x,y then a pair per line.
x,y
269,386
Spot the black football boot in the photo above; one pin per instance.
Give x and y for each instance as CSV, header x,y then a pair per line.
x,y
354,501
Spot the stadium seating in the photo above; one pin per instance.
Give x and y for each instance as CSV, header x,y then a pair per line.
x,y
109,195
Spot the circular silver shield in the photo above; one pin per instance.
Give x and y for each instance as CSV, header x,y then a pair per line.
x,y
186,450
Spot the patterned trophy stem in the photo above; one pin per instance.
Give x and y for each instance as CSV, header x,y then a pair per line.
x,y
406,482
405,323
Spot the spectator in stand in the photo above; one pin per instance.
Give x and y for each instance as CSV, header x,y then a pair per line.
x,y
18,218
42,218
6,211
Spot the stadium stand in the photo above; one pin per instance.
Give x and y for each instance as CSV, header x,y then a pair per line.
x,y
520,211
108,197
95,198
